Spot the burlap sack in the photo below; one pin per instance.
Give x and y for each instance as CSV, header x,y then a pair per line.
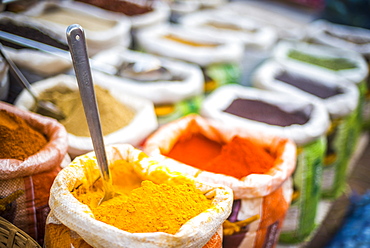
x,y
80,223
267,195
32,178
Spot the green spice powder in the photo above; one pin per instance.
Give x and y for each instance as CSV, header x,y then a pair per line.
x,y
335,64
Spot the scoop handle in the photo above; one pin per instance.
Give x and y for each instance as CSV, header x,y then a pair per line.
x,y
17,73
78,50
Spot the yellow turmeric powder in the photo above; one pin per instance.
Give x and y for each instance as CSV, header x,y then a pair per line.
x,y
124,180
153,208
62,237
143,206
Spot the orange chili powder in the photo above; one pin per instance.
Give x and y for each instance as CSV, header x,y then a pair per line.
x,y
195,150
238,158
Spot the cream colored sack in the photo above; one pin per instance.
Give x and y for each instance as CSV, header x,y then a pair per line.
x,y
143,123
262,197
67,210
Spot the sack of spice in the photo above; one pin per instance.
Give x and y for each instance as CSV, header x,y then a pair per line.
x,y
305,122
224,24
103,28
323,60
174,87
255,165
287,24
258,39
141,14
348,37
341,36
154,206
124,118
219,60
339,97
38,62
32,150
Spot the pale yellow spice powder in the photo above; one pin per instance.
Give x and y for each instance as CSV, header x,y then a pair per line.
x,y
113,114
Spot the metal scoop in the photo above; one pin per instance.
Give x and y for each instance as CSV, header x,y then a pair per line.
x,y
42,107
77,46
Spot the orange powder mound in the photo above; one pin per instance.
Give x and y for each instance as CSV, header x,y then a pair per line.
x,y
238,158
195,150
241,157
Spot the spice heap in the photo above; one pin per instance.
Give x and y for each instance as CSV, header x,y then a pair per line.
x,y
126,7
18,140
147,208
354,39
30,32
308,85
335,64
238,158
153,208
64,16
113,114
264,112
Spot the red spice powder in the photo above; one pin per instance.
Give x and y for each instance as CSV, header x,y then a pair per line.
x,y
195,150
238,158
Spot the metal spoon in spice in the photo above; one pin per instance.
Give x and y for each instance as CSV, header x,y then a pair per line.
x,y
46,108
77,46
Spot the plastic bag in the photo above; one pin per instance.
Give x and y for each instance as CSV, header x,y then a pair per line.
x,y
267,195
79,220
30,180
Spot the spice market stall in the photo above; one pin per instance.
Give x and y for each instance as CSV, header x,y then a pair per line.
x,y
198,158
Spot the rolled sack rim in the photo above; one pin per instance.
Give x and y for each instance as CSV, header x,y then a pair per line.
x,y
251,186
338,106
50,156
316,126
63,203
355,75
152,40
